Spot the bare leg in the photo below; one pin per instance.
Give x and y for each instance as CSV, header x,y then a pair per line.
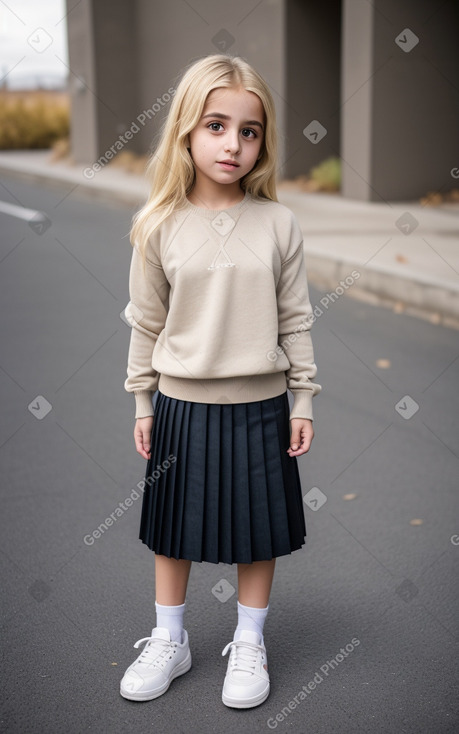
x,y
171,580
254,582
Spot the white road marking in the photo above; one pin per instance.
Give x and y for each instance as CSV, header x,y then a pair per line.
x,y
20,212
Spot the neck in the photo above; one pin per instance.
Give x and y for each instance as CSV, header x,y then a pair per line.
x,y
209,195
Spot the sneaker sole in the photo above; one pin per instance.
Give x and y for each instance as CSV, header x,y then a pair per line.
x,y
182,668
248,703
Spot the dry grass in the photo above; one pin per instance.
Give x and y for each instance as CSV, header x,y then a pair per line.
x,y
324,177
436,198
33,119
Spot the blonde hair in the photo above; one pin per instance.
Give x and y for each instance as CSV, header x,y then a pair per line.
x,y
170,169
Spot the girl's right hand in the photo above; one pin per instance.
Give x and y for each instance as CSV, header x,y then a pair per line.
x,y
142,436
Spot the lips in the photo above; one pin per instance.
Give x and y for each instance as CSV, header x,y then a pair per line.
x,y
230,163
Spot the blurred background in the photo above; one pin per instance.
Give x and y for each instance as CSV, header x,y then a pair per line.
x,y
359,98
34,93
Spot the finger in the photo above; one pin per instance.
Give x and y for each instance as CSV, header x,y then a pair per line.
x,y
141,444
295,439
298,452
302,447
139,448
146,442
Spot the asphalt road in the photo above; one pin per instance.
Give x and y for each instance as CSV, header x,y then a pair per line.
x,y
376,577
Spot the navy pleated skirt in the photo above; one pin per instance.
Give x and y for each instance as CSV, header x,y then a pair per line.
x,y
220,485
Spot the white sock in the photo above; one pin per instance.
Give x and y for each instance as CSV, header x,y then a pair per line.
x,y
171,617
250,618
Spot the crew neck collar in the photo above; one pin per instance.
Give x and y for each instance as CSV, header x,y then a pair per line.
x,y
211,213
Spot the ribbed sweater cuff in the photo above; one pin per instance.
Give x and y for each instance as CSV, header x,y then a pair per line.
x,y
143,403
302,404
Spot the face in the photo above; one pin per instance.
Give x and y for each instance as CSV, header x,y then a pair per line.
x,y
231,128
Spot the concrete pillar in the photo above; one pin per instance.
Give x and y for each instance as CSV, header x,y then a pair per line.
x,y
83,114
356,88
104,70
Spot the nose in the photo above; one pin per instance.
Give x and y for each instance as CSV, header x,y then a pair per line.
x,y
232,141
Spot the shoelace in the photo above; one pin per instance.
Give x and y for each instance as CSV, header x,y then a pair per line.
x,y
155,651
243,659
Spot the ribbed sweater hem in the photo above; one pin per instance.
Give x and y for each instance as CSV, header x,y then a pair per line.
x,y
241,389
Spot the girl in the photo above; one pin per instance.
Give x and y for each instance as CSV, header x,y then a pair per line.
x,y
221,319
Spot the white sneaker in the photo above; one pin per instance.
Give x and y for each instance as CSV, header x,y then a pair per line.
x,y
247,679
161,661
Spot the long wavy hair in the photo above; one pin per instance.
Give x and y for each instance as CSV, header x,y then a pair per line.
x,y
170,169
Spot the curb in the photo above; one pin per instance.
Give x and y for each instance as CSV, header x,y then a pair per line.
x,y
105,190
434,302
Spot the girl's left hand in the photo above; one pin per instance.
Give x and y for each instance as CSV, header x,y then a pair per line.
x,y
301,436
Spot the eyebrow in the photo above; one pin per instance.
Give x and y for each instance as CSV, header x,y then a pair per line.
x,y
227,117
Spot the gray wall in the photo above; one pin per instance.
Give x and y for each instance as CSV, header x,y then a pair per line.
x,y
169,40
400,113
415,115
313,57
117,68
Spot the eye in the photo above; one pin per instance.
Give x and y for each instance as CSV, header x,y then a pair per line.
x,y
215,123
249,130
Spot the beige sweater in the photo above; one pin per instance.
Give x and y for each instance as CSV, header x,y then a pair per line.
x,y
223,313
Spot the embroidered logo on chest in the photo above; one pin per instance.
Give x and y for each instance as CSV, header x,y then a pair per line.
x,y
223,224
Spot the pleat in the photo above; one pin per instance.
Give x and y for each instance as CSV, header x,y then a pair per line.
x,y
193,516
226,515
260,521
292,496
229,493
169,488
177,479
275,499
240,484
158,482
212,485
